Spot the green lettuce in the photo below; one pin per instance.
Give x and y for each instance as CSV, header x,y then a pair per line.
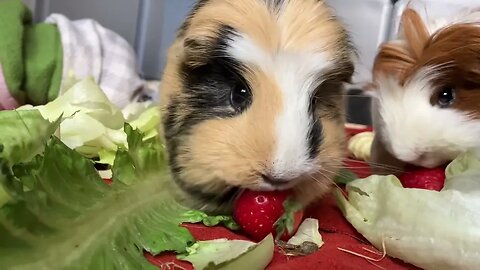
x,y
56,212
430,229
69,218
72,219
23,134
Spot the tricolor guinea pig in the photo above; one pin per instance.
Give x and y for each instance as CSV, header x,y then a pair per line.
x,y
252,98
427,105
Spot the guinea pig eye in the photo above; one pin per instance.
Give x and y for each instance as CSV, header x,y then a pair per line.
x,y
240,97
446,97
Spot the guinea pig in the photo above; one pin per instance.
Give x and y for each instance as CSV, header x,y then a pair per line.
x,y
426,109
252,98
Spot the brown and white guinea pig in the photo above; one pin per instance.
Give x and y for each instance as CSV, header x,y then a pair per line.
x,y
427,105
252,99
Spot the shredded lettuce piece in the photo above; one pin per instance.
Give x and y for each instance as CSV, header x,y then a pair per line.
x,y
230,254
307,232
195,216
432,230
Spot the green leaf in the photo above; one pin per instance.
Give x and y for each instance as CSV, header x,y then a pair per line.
x,y
23,134
230,254
142,158
72,219
345,176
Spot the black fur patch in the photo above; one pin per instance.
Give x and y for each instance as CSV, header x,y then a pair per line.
x,y
277,4
315,133
325,103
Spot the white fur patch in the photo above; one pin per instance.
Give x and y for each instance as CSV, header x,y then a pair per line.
x,y
417,132
295,73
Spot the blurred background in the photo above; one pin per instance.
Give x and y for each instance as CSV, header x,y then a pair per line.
x,y
150,25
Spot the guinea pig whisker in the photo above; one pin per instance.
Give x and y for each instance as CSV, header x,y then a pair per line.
x,y
379,166
369,164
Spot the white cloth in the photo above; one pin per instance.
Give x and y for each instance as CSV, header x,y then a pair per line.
x,y
91,50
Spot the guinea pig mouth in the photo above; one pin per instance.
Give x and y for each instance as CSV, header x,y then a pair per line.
x,y
276,183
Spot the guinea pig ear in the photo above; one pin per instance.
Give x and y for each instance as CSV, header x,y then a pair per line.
x,y
415,32
196,51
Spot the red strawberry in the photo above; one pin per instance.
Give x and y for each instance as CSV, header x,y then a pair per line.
x,y
423,178
261,213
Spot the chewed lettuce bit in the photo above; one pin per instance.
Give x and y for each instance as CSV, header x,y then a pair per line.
x,y
307,232
92,125
230,254
429,229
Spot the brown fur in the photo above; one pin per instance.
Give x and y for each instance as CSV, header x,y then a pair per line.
x,y
454,53
231,150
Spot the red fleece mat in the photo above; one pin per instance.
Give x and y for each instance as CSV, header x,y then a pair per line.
x,y
334,228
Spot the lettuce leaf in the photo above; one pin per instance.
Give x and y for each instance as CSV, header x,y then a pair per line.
x,y
71,219
23,134
230,254
432,230
55,210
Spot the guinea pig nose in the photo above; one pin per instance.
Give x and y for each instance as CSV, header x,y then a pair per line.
x,y
272,180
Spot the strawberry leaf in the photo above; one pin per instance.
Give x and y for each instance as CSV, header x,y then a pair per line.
x,y
287,220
